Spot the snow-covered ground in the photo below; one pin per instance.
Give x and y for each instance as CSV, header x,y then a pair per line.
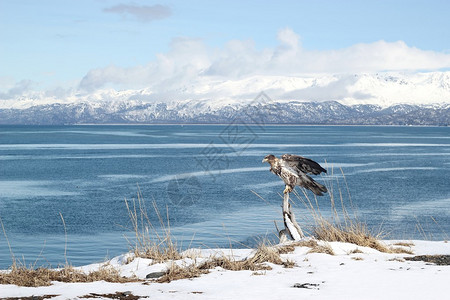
x,y
366,274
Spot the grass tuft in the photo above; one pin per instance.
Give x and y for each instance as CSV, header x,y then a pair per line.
x,y
322,249
340,226
264,254
354,251
176,272
231,264
350,232
400,250
357,258
289,248
149,242
404,244
29,277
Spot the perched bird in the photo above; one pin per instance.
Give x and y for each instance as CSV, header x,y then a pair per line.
x,y
293,170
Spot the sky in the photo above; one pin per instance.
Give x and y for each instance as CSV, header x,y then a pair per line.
x,y
62,48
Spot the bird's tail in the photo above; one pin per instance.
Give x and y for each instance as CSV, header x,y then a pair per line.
x,y
318,189
313,186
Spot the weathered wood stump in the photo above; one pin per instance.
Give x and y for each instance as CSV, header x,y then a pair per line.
x,y
292,229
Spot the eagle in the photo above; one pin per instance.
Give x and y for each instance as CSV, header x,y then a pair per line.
x,y
293,169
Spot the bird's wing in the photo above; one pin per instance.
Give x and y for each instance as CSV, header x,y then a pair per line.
x,y
304,164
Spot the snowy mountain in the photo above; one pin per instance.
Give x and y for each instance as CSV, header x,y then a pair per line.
x,y
385,98
137,112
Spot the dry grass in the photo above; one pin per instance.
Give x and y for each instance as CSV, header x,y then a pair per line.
x,y
403,247
285,249
289,264
232,264
341,226
263,254
350,232
355,251
176,272
353,232
322,249
396,259
23,276
149,242
271,253
289,248
357,258
256,273
404,244
400,250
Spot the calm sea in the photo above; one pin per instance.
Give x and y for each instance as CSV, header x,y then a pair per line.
x,y
210,181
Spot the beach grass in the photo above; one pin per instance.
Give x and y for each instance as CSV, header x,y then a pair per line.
x,y
156,243
33,277
343,223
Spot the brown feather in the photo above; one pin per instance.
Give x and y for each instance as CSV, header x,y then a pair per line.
x,y
304,164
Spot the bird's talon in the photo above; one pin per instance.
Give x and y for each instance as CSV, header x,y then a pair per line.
x,y
287,190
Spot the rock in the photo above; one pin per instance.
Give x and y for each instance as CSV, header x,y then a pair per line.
x,y
155,275
441,260
306,286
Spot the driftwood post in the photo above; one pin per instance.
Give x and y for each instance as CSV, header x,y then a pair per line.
x,y
292,229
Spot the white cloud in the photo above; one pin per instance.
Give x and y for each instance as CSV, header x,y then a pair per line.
x,y
190,60
186,59
17,90
289,38
142,13
335,89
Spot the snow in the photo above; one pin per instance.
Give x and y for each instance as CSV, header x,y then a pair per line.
x,y
345,275
209,93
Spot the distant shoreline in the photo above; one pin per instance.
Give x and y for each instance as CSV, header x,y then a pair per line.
x,y
224,124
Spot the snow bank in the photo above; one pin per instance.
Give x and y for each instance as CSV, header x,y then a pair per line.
x,y
354,272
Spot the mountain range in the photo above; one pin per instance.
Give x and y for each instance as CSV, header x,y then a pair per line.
x,y
138,112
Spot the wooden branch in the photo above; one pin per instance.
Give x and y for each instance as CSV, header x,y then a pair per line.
x,y
290,224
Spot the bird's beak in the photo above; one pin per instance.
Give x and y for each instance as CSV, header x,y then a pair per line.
x,y
264,160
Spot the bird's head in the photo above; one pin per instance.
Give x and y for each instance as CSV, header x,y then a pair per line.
x,y
269,158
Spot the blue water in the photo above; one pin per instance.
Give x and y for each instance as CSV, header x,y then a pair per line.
x,y
397,179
